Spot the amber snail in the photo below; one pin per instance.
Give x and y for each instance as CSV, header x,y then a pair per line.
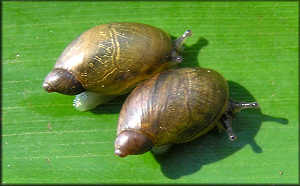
x,y
110,60
175,106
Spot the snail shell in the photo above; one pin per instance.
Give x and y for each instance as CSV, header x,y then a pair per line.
x,y
175,106
111,59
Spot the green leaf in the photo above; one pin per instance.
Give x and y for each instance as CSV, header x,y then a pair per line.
x,y
253,44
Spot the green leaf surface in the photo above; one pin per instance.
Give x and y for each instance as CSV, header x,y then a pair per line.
x,y
254,45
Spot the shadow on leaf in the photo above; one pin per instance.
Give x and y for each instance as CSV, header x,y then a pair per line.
x,y
112,107
188,158
190,54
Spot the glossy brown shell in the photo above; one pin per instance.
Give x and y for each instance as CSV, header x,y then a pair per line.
x,y
175,106
112,58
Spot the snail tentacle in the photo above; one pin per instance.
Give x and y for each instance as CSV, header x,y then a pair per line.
x,y
179,42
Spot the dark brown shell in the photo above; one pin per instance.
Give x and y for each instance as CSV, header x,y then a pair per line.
x,y
112,58
175,106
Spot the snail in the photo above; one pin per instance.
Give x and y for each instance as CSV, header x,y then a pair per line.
x,y
175,106
110,60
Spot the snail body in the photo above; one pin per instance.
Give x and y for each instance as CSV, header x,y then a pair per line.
x,y
111,59
175,106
